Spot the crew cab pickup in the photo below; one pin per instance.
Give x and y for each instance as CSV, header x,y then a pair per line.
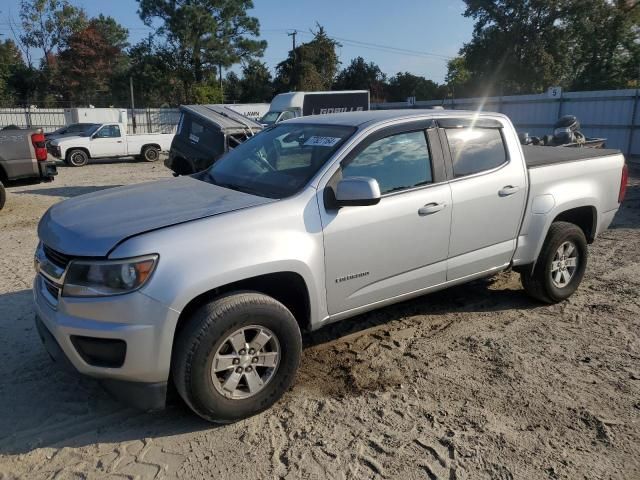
x,y
109,140
23,157
210,280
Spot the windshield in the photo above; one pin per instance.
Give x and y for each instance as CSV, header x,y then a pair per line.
x,y
270,118
91,130
79,127
279,161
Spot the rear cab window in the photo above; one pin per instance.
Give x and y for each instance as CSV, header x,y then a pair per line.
x,y
198,133
475,149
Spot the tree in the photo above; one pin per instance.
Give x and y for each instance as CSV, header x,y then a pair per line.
x,y
155,75
360,75
458,76
87,65
311,67
404,85
255,84
518,46
231,87
606,49
113,33
11,64
47,24
206,35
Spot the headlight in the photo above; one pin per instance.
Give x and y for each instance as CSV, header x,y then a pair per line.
x,y
109,277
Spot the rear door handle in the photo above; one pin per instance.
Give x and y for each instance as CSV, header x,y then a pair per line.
x,y
430,208
508,190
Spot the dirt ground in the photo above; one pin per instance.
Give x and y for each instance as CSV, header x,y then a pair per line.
x,y
471,383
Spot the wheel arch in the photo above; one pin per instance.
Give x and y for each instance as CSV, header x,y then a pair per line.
x,y
287,287
71,149
585,217
4,178
147,145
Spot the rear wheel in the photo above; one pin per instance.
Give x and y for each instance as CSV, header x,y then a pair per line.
x,y
236,356
560,266
151,154
77,158
3,195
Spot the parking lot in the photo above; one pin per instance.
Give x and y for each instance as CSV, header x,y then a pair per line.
x,y
474,382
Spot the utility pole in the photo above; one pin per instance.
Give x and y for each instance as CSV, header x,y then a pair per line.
x,y
295,60
133,105
221,87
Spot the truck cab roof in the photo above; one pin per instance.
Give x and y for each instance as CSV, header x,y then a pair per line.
x,y
371,117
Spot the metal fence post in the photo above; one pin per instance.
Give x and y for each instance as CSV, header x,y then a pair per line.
x,y
632,123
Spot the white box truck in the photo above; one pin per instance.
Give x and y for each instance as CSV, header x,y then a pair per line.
x,y
300,104
254,111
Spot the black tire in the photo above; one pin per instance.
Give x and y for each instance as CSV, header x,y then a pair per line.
x,y
150,154
207,331
540,284
3,195
77,158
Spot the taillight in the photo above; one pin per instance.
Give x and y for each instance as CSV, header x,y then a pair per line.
x,y
37,139
623,183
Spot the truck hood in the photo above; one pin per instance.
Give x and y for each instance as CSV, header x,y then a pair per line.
x,y
92,225
60,141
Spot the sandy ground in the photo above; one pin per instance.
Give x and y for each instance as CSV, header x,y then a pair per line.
x,y
474,382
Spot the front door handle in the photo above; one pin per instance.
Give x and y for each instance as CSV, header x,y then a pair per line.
x,y
508,190
430,208
119,141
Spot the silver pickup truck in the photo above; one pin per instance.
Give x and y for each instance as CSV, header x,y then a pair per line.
x,y
208,280
23,157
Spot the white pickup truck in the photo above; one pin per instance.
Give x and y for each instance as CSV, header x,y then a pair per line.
x,y
109,140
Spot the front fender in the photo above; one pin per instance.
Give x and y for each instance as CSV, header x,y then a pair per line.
x,y
199,256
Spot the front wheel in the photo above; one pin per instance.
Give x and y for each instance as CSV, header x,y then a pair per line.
x,y
236,356
560,266
77,158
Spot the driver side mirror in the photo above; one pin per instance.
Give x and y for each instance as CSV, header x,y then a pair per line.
x,y
357,191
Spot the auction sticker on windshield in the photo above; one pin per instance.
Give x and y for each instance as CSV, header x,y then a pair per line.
x,y
317,141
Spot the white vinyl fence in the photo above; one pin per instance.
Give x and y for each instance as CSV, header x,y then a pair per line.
x,y
140,120
610,114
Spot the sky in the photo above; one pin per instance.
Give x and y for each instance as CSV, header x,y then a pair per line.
x,y
403,35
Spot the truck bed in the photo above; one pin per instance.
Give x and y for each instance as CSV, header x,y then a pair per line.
x,y
537,156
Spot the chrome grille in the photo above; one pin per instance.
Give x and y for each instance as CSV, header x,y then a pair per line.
x,y
57,258
52,288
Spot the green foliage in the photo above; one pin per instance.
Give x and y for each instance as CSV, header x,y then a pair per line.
x,y
10,64
231,87
360,75
607,54
205,35
311,67
525,46
207,93
458,76
255,84
404,85
48,24
155,76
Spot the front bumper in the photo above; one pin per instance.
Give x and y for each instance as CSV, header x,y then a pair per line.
x,y
53,150
145,325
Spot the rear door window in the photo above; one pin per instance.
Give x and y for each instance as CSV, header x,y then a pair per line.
x,y
475,150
